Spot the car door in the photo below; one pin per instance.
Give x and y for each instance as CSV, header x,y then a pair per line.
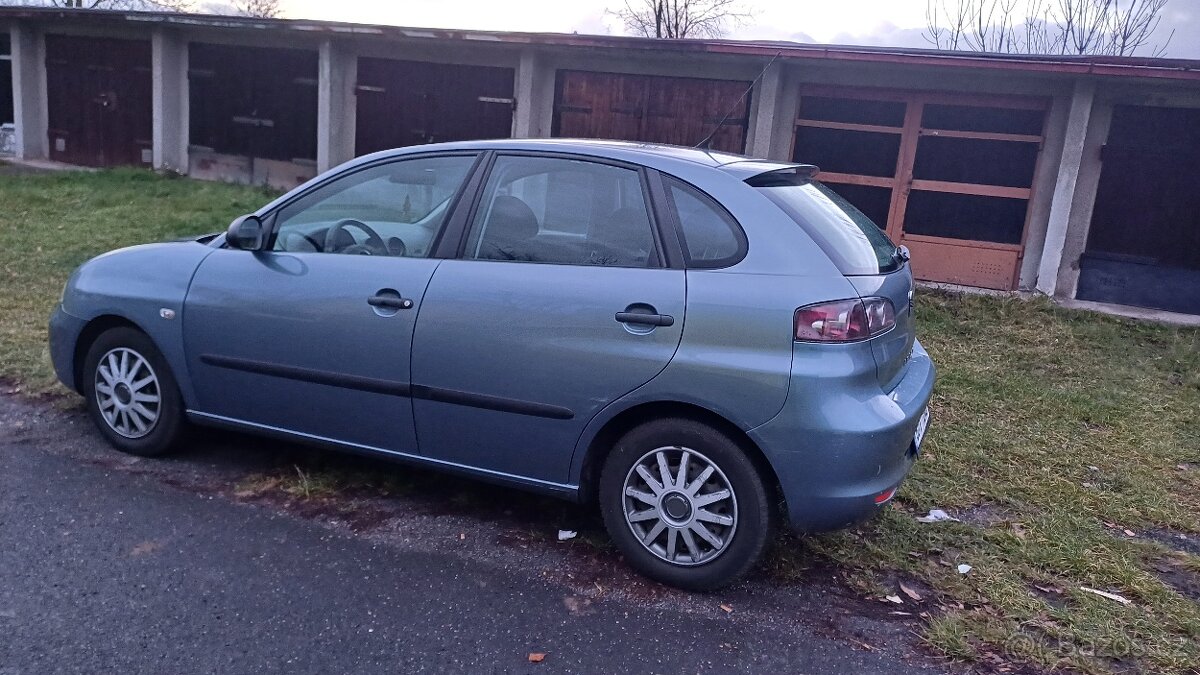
x,y
559,304
313,336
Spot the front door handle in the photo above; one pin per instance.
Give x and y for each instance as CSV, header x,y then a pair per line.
x,y
389,302
646,319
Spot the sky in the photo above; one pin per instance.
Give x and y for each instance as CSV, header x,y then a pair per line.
x,y
896,23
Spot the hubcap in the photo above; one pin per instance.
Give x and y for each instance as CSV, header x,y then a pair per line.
x,y
127,392
680,506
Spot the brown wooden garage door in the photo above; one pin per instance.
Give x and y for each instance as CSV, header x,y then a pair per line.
x,y
949,176
675,110
98,93
404,103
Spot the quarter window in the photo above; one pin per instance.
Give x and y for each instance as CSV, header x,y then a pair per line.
x,y
711,236
564,211
394,209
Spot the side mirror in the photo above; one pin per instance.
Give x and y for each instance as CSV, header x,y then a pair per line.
x,y
246,233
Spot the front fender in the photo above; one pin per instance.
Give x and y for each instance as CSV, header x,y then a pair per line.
x,y
137,284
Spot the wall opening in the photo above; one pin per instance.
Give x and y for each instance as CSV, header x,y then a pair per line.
x,y
6,81
950,176
252,113
1143,246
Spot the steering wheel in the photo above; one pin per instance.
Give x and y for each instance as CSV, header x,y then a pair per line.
x,y
372,246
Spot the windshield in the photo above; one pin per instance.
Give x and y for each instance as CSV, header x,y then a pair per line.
x,y
854,243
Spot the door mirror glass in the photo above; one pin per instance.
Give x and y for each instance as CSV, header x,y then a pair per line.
x,y
245,233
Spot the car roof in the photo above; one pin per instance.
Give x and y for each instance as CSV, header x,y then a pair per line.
x,y
655,155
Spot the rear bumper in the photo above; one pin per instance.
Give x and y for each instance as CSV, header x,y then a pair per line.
x,y
839,443
64,335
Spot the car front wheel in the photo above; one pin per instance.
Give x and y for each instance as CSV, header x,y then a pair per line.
x,y
131,393
684,504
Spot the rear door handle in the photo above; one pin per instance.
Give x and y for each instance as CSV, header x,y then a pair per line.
x,y
646,319
390,302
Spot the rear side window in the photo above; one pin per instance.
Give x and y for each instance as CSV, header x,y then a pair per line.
x,y
711,237
563,211
855,244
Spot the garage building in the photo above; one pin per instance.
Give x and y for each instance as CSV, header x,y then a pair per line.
x,y
1074,176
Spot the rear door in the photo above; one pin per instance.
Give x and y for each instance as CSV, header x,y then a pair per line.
x,y
559,304
314,336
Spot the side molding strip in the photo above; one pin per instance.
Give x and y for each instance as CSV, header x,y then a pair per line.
x,y
371,384
391,387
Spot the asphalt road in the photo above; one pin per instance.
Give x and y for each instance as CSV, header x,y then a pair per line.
x,y
107,566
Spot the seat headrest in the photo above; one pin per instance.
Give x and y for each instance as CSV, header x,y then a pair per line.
x,y
510,220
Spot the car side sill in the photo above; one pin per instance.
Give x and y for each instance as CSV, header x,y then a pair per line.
x,y
562,490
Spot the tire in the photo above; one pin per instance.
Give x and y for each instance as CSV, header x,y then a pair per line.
x,y
132,395
745,516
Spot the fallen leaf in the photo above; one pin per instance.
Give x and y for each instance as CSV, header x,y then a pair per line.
x,y
725,607
1106,594
910,592
536,657
146,547
894,599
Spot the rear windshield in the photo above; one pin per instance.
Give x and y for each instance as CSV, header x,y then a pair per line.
x,y
854,243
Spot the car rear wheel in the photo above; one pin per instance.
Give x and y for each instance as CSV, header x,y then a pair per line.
x,y
684,504
131,393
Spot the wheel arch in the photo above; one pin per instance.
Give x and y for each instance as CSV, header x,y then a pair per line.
x,y
87,337
612,430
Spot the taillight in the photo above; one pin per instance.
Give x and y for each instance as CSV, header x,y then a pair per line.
x,y
845,320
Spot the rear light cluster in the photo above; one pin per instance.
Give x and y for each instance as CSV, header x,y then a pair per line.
x,y
845,320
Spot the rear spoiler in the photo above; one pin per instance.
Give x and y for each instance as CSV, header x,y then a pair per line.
x,y
771,174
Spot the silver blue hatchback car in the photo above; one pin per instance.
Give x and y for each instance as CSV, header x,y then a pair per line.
x,y
700,343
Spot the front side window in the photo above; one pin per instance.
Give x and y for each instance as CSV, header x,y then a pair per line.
x,y
563,211
393,209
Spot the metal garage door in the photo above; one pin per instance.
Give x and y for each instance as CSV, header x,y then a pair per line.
x,y
404,103
949,176
98,94
676,110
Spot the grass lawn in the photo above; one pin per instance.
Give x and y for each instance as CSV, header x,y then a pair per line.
x,y
1067,443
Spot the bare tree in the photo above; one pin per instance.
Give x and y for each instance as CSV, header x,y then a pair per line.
x,y
263,9
681,18
1109,27
145,5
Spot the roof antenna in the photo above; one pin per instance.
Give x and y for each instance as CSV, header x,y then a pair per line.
x,y
704,144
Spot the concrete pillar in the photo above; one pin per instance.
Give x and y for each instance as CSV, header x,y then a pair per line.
x,y
170,100
534,91
29,91
772,117
1057,230
336,105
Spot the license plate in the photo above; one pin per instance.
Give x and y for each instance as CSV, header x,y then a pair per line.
x,y
921,425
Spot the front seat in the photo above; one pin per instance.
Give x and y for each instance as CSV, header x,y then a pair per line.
x,y
510,226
